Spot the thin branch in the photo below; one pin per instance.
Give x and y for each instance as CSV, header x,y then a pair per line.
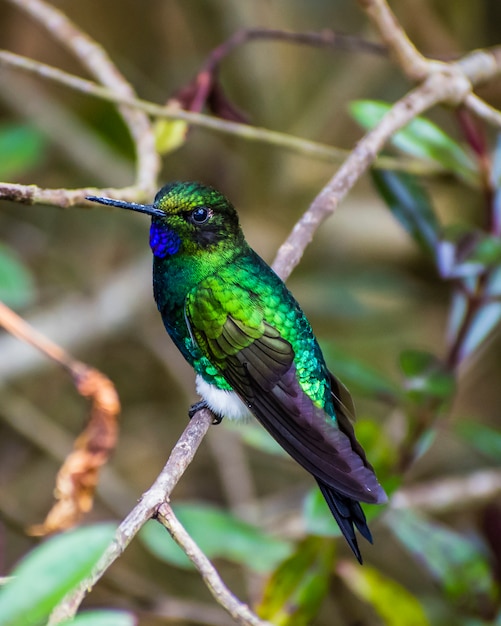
x,y
244,131
436,88
181,456
96,60
239,611
483,110
450,494
408,58
202,85
64,198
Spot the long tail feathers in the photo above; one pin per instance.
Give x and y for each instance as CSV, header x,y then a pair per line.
x,y
347,513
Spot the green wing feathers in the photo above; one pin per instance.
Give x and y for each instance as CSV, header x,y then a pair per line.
x,y
230,330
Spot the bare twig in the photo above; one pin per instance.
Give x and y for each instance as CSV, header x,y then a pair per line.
x,y
483,110
147,507
239,611
412,62
450,494
96,60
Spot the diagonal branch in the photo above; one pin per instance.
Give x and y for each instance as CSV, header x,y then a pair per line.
x,y
239,611
181,456
435,89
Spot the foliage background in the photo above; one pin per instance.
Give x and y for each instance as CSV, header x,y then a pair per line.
x,y
366,287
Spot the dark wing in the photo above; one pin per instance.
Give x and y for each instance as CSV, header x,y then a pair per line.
x,y
259,365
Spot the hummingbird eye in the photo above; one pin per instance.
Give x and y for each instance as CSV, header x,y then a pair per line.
x,y
200,215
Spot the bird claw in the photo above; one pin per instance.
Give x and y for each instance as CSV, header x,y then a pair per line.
x,y
216,419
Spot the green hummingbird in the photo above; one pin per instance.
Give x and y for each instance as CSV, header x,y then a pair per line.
x,y
251,346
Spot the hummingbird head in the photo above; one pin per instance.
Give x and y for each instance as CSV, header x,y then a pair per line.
x,y
186,218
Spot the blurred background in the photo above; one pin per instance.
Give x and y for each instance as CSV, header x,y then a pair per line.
x,y
83,277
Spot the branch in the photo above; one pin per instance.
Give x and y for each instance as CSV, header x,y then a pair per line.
x,y
449,83
450,494
181,456
403,51
437,88
96,60
239,611
244,131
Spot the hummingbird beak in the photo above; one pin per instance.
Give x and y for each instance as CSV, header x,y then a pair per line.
x,y
149,209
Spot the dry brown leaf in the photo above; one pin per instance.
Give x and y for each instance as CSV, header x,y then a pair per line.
x,y
77,479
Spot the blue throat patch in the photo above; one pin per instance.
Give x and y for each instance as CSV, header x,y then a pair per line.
x,y
163,241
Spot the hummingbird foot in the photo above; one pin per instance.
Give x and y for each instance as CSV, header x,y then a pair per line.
x,y
217,419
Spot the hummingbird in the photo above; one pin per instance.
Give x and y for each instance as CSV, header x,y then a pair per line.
x,y
253,350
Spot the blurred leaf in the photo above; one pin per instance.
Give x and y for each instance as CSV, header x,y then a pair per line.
x,y
426,376
170,135
218,534
391,601
496,184
21,148
16,282
459,565
359,377
294,592
467,253
102,618
484,320
379,447
457,311
420,138
411,206
487,251
483,323
482,438
49,572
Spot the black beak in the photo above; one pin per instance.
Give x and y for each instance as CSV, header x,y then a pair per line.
x,y
149,209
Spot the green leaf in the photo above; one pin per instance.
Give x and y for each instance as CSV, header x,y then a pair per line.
x,y
16,282
391,601
359,377
102,618
457,563
170,135
21,148
427,377
49,572
218,534
482,438
294,592
411,206
482,324
420,138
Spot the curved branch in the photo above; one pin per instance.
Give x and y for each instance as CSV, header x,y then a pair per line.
x,y
98,63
